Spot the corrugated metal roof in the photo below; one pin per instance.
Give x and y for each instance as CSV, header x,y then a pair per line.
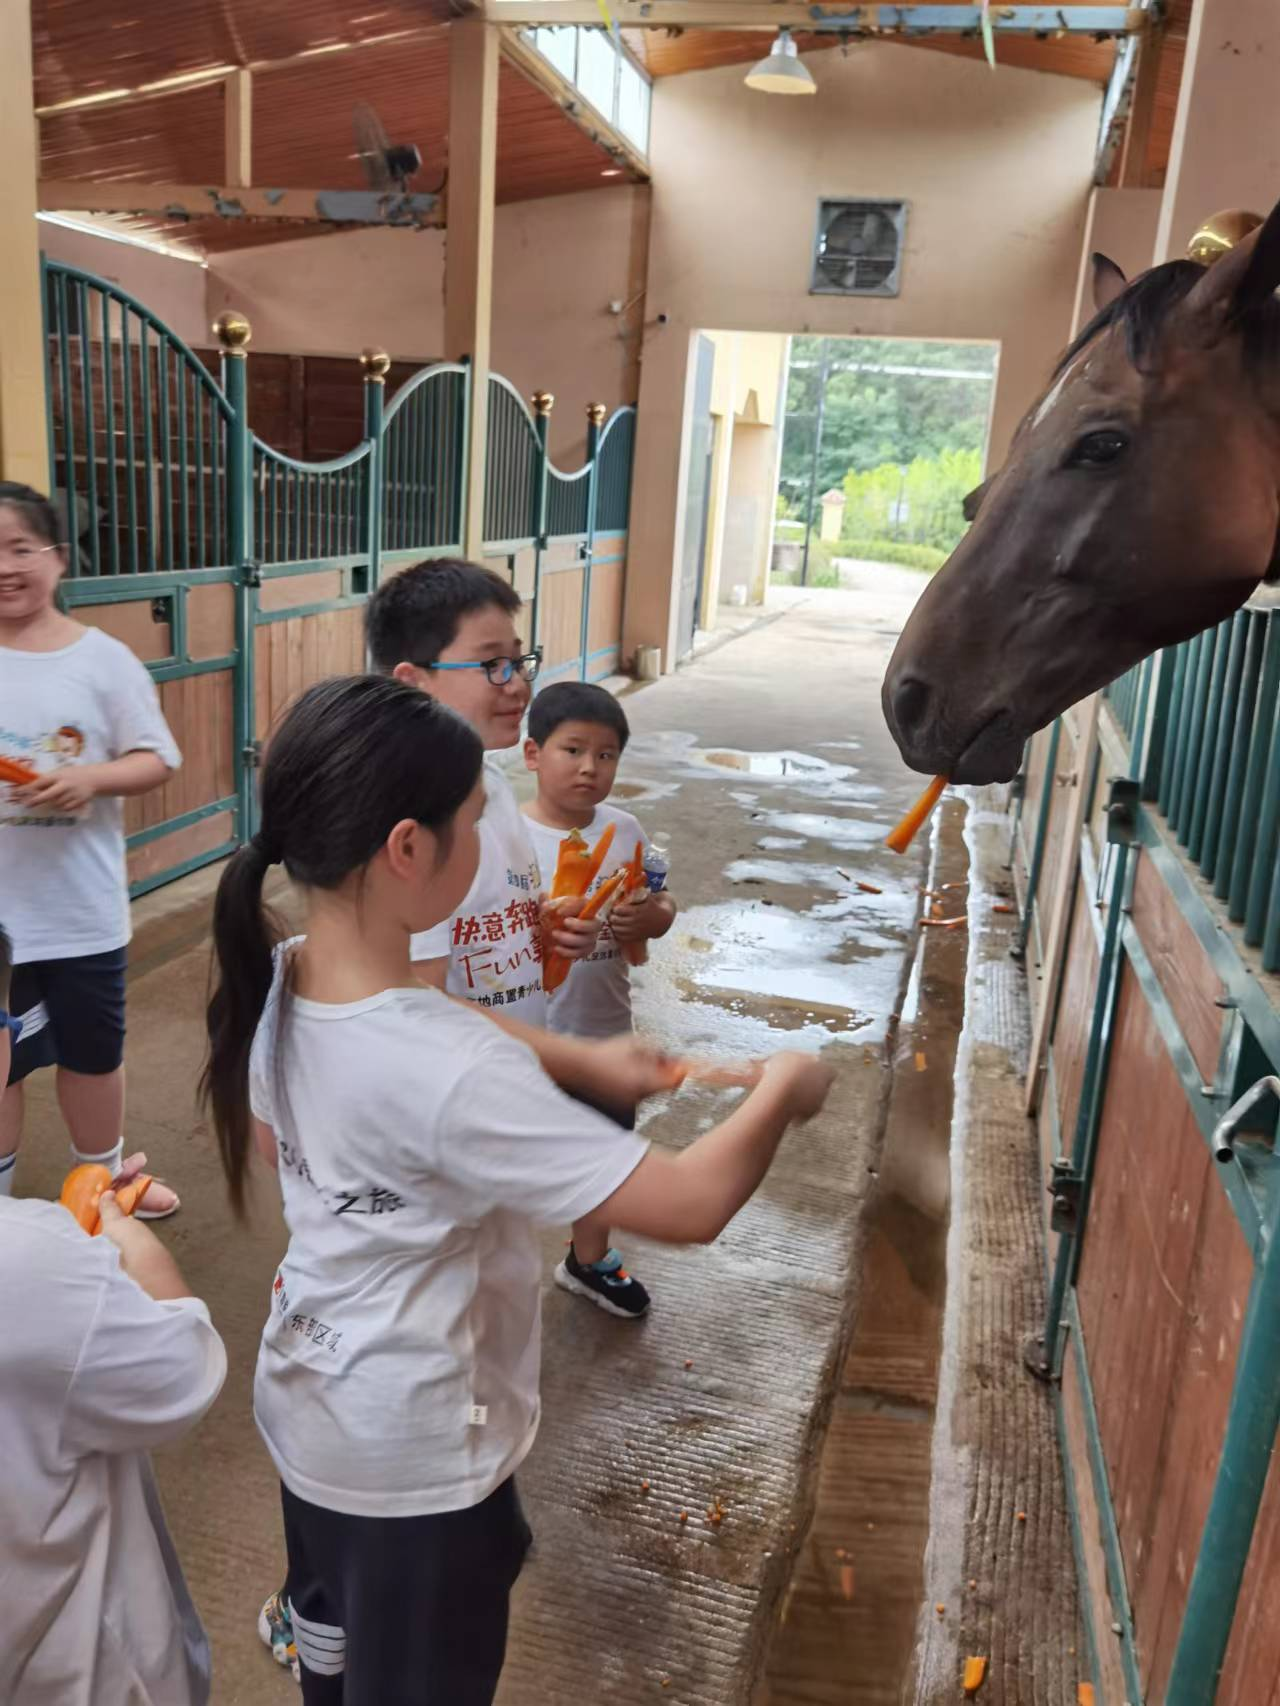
x,y
302,123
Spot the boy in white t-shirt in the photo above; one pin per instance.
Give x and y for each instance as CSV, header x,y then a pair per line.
x,y
577,734
81,730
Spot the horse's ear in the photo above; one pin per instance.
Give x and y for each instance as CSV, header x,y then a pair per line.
x,y
1108,282
1246,276
973,502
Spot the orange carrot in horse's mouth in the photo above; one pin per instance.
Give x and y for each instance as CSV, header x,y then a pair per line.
x,y
19,774
901,838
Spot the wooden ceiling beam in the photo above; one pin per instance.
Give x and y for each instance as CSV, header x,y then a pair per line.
x,y
875,19
232,203
238,95
569,98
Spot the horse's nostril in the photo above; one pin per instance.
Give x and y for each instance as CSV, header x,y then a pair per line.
x,y
910,703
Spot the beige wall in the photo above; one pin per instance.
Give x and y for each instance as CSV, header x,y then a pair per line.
x,y
1121,225
558,264
172,289
748,520
996,168
1226,136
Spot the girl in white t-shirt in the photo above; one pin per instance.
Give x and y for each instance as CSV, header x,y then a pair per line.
x,y
418,1149
80,716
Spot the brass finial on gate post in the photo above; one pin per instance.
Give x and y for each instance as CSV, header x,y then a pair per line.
x,y
596,413
543,402
375,364
233,332
1220,234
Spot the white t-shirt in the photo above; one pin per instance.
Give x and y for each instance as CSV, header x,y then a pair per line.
x,y
494,942
93,1372
418,1145
65,892
595,999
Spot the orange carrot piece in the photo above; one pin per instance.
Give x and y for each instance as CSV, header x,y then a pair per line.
x,y
905,833
573,860
598,857
82,1191
19,774
555,968
975,1674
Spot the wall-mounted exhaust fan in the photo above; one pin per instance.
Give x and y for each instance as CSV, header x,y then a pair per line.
x,y
859,248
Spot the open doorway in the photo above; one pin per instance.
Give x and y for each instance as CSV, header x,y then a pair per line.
x,y
815,461
882,440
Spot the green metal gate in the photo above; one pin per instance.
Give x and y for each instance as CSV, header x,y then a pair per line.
x,y
1177,1063
238,574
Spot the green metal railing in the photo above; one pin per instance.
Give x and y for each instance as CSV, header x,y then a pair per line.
x,y
138,434
422,463
167,490
1217,779
614,455
515,466
311,511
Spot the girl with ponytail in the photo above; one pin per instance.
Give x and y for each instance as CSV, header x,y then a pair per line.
x,y
419,1147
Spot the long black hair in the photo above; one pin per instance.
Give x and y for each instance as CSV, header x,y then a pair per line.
x,y
350,760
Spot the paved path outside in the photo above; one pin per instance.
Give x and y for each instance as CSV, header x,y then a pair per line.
x,y
768,766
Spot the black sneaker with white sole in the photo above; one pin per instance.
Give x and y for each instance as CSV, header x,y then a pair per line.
x,y
606,1283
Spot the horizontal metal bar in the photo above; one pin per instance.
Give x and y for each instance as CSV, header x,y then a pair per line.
x,y
130,589
171,825
265,618
181,669
197,862
313,566
507,547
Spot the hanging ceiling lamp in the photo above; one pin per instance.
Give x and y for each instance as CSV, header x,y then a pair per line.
x,y
782,73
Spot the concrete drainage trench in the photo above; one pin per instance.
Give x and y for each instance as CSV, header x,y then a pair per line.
x,y
848,1629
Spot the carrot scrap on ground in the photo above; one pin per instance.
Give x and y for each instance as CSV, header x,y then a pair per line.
x,y
944,923
868,888
921,1063
1084,1694
940,1609
846,1580
900,838
975,1674
1003,906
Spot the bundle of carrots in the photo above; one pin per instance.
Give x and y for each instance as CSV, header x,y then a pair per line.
x,y
905,833
577,867
83,1187
17,774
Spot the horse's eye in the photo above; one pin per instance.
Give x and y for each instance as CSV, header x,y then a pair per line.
x,y
1097,449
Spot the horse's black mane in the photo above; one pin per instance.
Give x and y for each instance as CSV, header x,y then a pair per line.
x,y
1143,306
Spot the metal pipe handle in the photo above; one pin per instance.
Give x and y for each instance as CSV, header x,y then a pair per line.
x,y
1223,1140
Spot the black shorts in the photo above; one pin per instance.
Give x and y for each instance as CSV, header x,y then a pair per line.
x,y
78,1008
403,1611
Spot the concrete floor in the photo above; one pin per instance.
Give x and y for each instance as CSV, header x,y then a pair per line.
x,y
768,766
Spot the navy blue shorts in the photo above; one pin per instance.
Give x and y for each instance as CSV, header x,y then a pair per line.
x,y
78,1014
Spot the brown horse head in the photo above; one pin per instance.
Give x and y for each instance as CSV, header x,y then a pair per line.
x,y
1140,504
